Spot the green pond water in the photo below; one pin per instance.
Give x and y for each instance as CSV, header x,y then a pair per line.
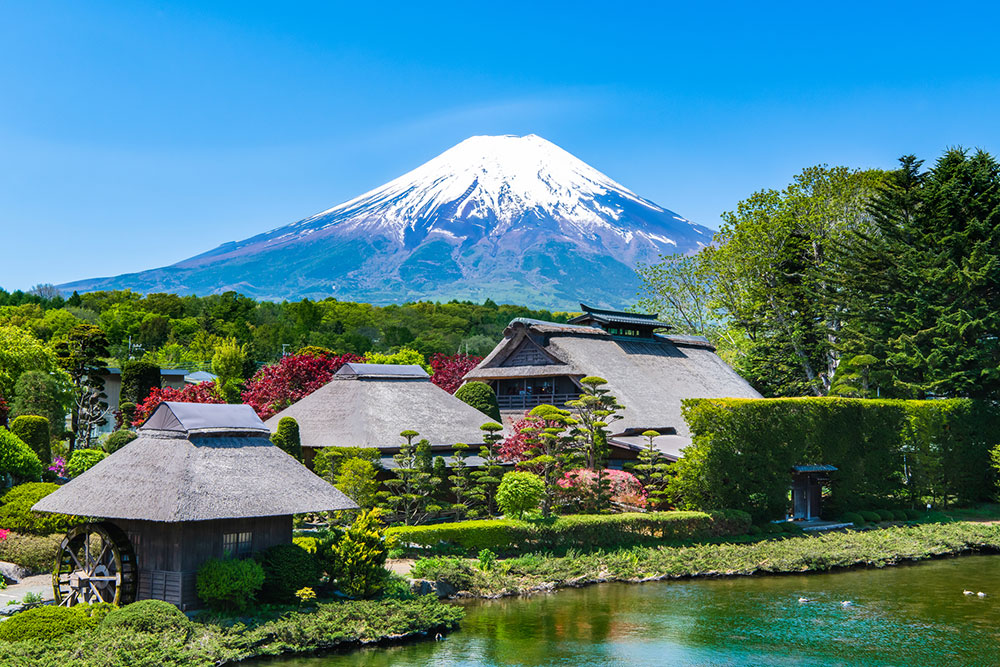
x,y
908,615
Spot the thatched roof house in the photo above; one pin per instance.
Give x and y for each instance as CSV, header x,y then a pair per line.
x,y
368,405
648,371
200,481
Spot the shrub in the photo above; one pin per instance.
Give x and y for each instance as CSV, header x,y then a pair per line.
x,y
755,530
41,623
912,514
126,414
229,585
16,514
357,480
519,492
360,556
575,531
34,432
82,460
118,439
853,517
870,517
34,552
287,437
287,568
885,515
480,396
17,459
791,527
771,529
454,572
146,616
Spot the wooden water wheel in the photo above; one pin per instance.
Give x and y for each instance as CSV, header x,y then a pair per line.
x,y
96,563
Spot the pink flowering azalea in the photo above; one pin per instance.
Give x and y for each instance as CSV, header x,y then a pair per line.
x,y
624,486
3,534
58,466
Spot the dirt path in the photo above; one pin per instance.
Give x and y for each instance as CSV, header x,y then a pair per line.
x,y
40,583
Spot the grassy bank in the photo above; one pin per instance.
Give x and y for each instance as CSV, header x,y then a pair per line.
x,y
215,641
873,548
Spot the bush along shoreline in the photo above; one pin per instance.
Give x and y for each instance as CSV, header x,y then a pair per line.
x,y
490,578
144,634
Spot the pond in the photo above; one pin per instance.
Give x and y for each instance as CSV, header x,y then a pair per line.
x,y
909,615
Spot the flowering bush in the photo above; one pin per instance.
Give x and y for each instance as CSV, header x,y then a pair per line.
x,y
192,393
624,486
448,370
58,466
276,386
3,534
514,447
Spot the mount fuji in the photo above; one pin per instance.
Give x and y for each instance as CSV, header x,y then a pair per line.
x,y
508,218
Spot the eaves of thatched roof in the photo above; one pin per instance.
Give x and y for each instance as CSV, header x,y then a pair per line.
x,y
221,465
371,411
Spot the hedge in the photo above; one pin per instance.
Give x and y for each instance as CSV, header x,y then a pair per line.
x,y
34,552
139,378
888,453
571,532
17,459
480,396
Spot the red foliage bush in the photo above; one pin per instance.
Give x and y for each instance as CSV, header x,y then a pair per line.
x,y
448,370
192,393
278,385
513,448
624,486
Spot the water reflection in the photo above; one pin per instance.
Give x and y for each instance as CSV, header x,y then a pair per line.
x,y
913,615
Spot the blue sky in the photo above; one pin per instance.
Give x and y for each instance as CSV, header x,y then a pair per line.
x,y
136,134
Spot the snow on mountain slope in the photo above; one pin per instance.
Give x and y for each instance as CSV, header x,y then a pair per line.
x,y
504,217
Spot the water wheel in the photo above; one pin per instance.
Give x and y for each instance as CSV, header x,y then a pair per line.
x,y
96,563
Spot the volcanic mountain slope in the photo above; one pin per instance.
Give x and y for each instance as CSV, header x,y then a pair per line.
x,y
502,217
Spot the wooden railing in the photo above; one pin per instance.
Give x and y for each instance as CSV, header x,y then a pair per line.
x,y
528,401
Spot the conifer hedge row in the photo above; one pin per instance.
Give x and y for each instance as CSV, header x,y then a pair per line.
x,y
888,453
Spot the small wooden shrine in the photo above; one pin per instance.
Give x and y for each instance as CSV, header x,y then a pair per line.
x,y
200,482
807,490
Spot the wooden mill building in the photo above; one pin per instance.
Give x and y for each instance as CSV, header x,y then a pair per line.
x,y
369,405
200,482
648,369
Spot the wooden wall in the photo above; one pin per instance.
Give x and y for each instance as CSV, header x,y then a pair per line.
x,y
168,555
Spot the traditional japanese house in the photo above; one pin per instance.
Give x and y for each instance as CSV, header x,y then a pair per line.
x,y
369,405
648,369
200,482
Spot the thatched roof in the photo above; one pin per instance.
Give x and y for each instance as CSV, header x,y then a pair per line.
x,y
193,463
359,408
649,376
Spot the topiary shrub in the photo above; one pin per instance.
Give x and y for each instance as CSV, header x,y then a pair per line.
x,y
118,439
34,432
34,552
16,514
83,460
885,515
41,623
229,585
899,515
17,459
853,517
912,514
771,529
869,516
287,568
480,396
146,616
126,413
519,492
287,437
328,460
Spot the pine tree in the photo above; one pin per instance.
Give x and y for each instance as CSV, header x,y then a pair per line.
x,y
486,478
652,470
410,494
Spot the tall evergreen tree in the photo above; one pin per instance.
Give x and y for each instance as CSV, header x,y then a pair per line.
x,y
923,286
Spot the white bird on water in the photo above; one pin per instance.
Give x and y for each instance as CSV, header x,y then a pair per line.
x,y
804,600
981,594
967,592
846,603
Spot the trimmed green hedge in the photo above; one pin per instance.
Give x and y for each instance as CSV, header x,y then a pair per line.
x,y
34,432
887,452
44,623
571,532
16,514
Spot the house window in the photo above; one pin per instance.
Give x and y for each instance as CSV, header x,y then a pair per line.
x,y
237,544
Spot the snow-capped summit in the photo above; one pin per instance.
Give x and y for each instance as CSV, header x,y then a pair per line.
x,y
505,217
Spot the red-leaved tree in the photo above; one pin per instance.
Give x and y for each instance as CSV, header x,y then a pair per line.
x,y
448,370
192,393
276,386
513,448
